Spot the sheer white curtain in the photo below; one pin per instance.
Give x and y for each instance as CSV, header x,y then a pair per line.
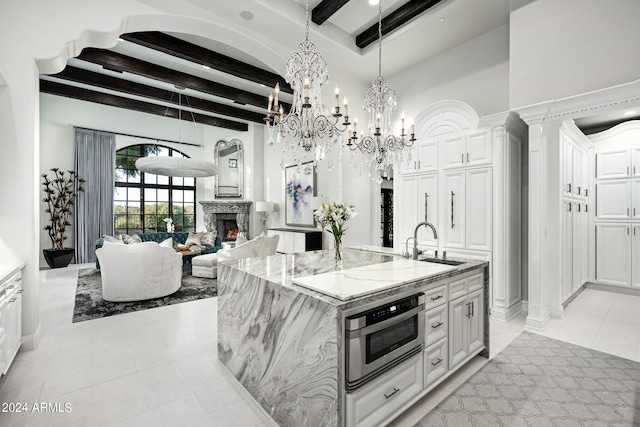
x,y
94,162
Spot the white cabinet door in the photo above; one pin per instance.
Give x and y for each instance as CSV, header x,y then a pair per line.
x,y
476,321
454,151
635,198
427,155
613,253
635,254
613,164
584,193
407,209
567,249
479,148
479,209
454,207
613,199
567,167
577,172
458,325
435,362
427,204
584,244
635,161
577,249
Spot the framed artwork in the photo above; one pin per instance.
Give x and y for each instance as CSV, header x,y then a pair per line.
x,y
233,163
299,189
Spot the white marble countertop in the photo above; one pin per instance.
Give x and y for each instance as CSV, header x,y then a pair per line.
x,y
9,268
346,284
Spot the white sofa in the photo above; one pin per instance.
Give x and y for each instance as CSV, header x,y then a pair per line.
x,y
138,272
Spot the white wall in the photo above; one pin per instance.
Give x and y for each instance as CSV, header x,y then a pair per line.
x,y
475,72
564,48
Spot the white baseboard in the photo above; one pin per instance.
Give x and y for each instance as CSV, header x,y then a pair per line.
x,y
627,290
508,314
537,323
31,342
525,306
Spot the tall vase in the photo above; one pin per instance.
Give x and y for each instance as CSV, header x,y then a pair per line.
x,y
338,248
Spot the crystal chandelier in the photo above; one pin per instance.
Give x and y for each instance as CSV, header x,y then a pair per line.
x,y
306,132
379,149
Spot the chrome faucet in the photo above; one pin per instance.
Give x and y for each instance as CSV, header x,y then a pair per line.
x,y
405,254
415,236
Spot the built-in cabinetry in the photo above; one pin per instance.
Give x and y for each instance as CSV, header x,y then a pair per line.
x,y
575,152
10,318
617,213
470,190
293,240
454,333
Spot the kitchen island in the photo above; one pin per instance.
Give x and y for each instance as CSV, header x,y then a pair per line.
x,y
281,331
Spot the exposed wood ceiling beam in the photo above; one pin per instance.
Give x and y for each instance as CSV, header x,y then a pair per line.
x,y
394,20
191,52
60,89
121,85
118,62
325,9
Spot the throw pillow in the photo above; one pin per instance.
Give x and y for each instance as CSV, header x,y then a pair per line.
x,y
113,239
167,242
135,239
194,239
209,238
240,240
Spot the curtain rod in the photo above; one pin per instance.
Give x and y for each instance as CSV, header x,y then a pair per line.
x,y
139,136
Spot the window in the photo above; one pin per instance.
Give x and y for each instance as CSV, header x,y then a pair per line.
x,y
142,200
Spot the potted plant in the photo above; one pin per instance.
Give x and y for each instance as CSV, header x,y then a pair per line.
x,y
61,192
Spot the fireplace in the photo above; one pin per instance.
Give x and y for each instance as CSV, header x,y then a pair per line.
x,y
228,218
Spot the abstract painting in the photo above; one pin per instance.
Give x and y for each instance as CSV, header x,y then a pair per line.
x,y
299,188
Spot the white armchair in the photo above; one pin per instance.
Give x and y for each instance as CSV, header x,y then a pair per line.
x,y
138,272
261,246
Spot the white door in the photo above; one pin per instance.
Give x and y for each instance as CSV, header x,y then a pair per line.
x,y
635,198
567,249
476,321
585,174
635,254
613,164
577,172
427,155
479,148
567,167
479,208
454,208
584,244
453,151
576,247
427,201
458,333
613,253
635,159
613,199
407,210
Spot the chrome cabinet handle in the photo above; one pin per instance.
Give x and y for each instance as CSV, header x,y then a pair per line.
x,y
419,165
437,325
426,206
569,188
437,297
578,191
462,155
452,195
437,362
627,231
627,170
395,390
579,207
586,206
473,309
569,207
627,211
585,192
467,157
468,309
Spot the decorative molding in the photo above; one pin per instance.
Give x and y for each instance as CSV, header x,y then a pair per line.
x,y
587,104
448,116
508,314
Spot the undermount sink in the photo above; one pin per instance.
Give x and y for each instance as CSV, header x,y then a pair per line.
x,y
442,261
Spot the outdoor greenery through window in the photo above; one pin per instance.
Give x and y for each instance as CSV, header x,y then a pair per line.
x,y
143,200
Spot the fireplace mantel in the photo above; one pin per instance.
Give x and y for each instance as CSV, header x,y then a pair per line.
x,y
239,207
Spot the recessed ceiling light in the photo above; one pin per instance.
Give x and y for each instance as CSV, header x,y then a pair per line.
x,y
245,14
206,67
374,2
629,113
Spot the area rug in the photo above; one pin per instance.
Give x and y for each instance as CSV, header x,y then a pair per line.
x,y
539,381
90,305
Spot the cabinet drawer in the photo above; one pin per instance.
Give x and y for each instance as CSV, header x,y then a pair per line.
x,y
435,324
378,400
435,362
435,297
457,289
474,283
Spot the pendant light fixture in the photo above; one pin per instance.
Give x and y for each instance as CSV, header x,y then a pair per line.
x,y
379,149
177,166
306,132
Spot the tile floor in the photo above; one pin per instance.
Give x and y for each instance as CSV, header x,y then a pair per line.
x,y
159,368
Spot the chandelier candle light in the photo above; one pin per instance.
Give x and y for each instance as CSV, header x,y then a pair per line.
x,y
379,148
306,132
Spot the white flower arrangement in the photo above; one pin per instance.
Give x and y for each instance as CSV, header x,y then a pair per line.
x,y
335,214
170,227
